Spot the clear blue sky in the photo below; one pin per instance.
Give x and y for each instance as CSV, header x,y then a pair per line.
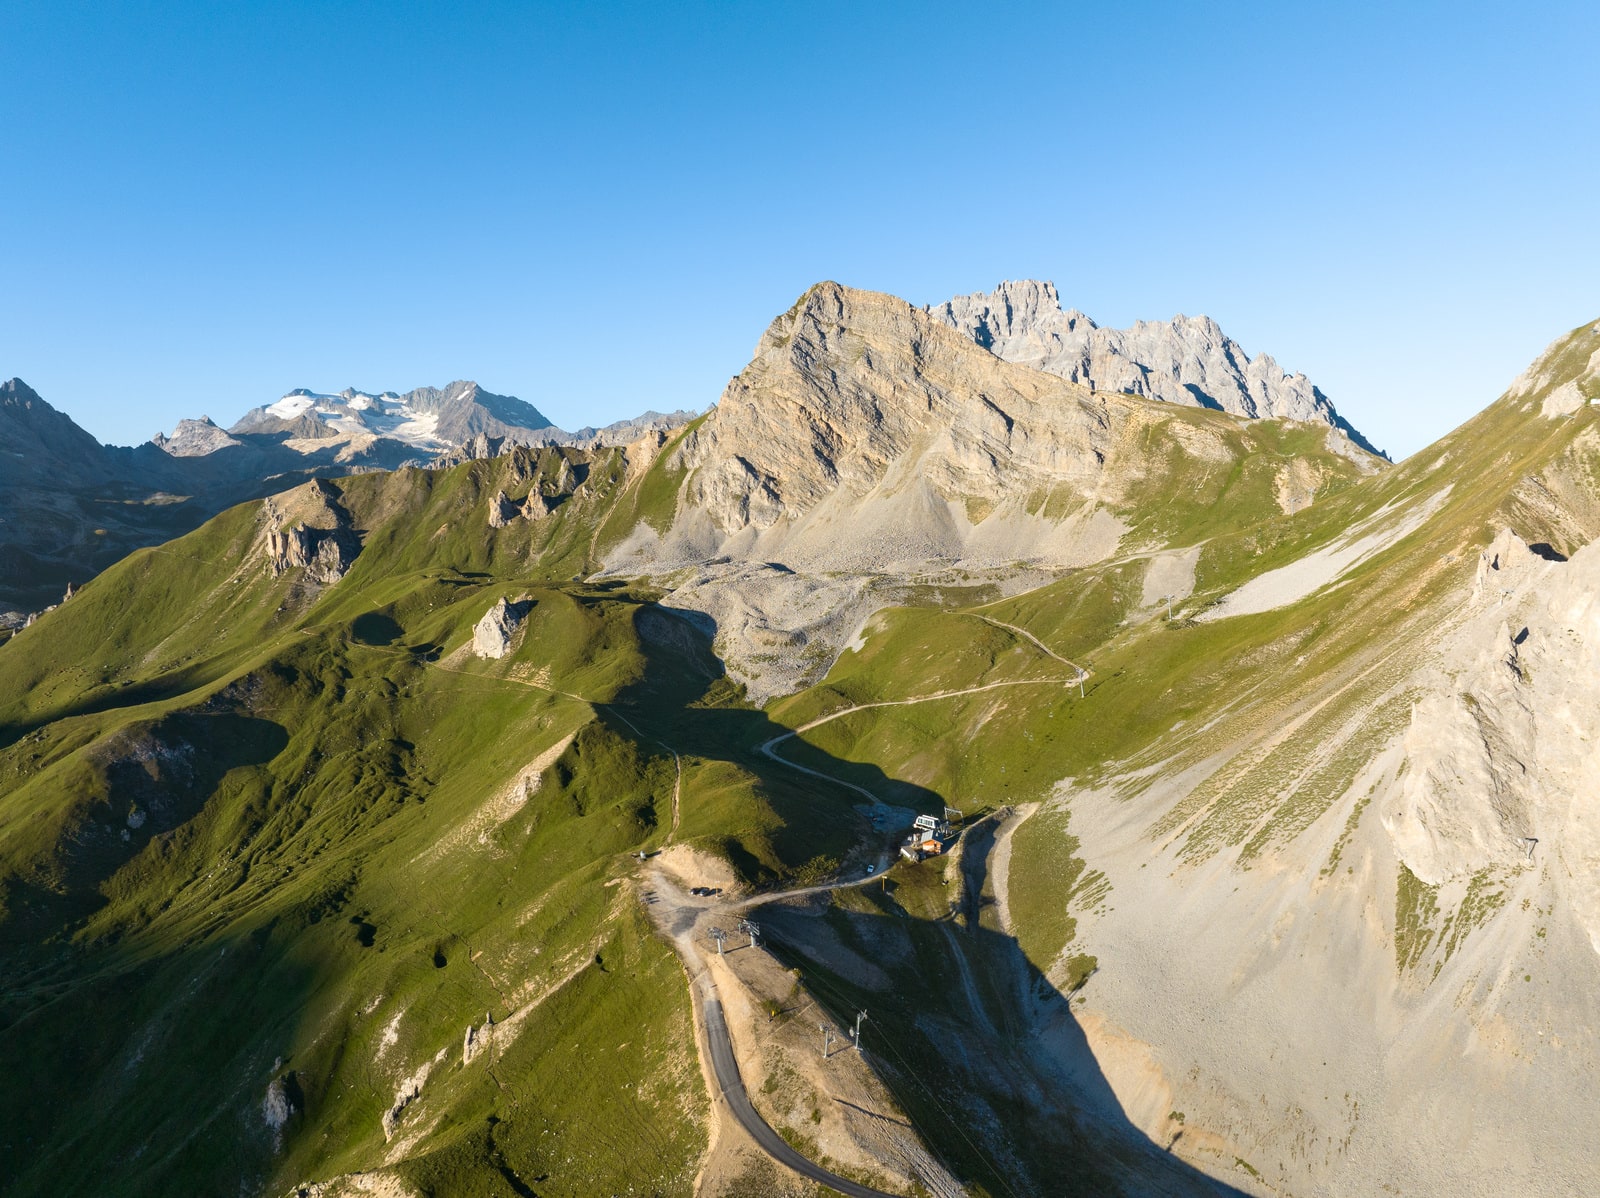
x,y
599,207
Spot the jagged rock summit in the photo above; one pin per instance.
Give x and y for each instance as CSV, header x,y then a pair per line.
x,y
1187,360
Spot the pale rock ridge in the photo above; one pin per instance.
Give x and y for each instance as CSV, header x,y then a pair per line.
x,y
410,1089
850,386
1553,362
1187,360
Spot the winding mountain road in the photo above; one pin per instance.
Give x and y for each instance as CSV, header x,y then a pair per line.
x,y
731,1084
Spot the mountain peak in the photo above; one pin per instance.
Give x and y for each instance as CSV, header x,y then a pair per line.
x,y
194,439
15,390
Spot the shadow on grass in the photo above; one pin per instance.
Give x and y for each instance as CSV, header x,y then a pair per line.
x,y
112,698
148,780
191,1024
683,699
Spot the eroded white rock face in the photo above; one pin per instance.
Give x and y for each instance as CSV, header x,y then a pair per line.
x,y
1502,750
194,439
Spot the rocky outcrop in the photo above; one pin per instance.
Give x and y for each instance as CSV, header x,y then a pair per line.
x,y
408,1092
308,529
492,636
1187,360
280,1104
321,553
503,511
477,1039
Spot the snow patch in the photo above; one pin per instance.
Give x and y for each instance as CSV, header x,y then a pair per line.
x,y
291,406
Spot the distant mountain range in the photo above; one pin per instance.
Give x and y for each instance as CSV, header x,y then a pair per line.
x,y
70,506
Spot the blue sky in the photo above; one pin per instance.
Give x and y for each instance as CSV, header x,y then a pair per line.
x,y
599,207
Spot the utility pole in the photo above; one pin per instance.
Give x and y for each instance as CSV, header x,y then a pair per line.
x,y
1168,598
855,1033
750,929
719,936
827,1038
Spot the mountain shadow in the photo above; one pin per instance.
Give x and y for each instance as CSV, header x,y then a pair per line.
x,y
683,701
968,1021
983,1053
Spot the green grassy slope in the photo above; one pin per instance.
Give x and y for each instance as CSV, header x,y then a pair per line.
x,y
253,833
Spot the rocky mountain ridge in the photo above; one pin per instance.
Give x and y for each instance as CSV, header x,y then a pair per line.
x,y
1187,360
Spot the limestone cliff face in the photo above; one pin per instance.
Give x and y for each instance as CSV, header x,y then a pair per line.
x,y
846,384
1187,360
857,398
